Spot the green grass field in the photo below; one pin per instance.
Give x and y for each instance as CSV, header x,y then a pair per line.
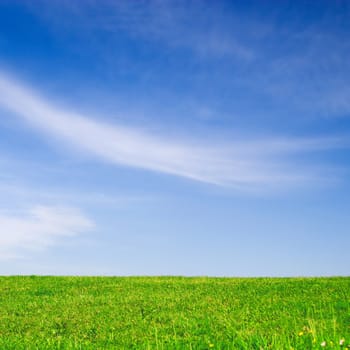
x,y
174,313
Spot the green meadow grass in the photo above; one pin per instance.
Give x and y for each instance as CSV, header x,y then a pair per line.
x,y
174,313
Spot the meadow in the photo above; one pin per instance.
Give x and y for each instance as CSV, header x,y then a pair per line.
x,y
174,313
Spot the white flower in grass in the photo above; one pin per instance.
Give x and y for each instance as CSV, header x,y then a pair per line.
x,y
341,342
323,344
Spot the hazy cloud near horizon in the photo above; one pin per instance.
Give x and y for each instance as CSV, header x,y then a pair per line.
x,y
38,228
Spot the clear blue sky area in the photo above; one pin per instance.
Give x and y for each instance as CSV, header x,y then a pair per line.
x,y
175,137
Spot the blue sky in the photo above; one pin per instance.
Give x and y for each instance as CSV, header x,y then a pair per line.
x,y
175,138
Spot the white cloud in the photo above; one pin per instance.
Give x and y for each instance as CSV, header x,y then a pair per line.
x,y
39,228
238,164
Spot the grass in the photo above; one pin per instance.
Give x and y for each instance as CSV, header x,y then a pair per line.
x,y
174,313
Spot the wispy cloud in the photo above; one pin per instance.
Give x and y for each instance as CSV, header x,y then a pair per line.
x,y
238,164
39,228
304,68
170,24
